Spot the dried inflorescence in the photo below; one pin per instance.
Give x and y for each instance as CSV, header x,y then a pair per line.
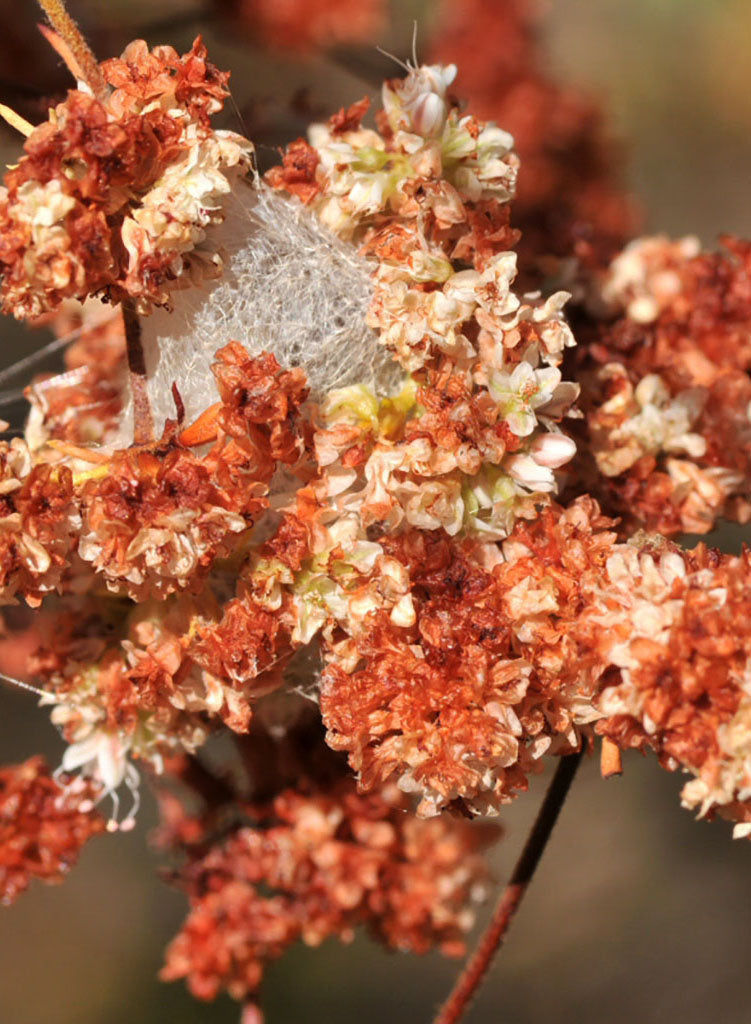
x,y
508,663
462,703
469,442
151,520
354,499
38,526
113,195
320,864
666,386
683,653
43,826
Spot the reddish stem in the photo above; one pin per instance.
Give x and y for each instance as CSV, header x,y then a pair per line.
x,y
477,966
84,60
143,431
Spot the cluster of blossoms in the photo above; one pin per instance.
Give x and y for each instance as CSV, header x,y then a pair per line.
x,y
318,859
43,825
665,384
441,561
115,192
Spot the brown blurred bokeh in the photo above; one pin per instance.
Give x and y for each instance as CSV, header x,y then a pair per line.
x,y
638,912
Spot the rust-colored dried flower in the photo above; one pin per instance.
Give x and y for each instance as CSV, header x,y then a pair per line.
x,y
666,387
114,194
321,864
44,824
308,505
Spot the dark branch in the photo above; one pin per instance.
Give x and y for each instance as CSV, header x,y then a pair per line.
x,y
477,966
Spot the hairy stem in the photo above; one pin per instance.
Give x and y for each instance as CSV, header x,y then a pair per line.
x,y
143,431
477,966
80,50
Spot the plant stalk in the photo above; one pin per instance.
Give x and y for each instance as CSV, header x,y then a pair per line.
x,y
83,57
143,429
477,966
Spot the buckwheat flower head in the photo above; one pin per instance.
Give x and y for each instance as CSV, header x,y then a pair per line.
x,y
320,486
665,348
114,194
38,524
459,701
320,864
683,657
44,823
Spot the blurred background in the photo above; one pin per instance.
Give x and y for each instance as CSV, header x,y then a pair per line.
x,y
637,912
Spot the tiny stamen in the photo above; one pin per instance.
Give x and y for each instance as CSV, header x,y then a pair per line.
x,y
24,686
113,824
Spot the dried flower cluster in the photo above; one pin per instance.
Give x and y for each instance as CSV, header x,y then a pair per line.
x,y
319,864
43,825
114,194
446,559
666,386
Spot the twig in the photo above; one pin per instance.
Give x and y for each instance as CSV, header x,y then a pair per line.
x,y
477,966
143,431
72,37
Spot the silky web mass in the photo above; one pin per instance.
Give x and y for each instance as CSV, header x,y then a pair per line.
x,y
289,287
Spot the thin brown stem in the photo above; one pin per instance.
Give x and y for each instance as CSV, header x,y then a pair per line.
x,y
477,966
143,430
83,57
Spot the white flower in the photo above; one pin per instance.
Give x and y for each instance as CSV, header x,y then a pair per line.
x,y
643,279
523,392
103,757
417,103
552,450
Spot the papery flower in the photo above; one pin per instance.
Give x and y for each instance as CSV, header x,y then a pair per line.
x,y
322,864
683,655
38,524
153,521
667,402
460,703
44,823
113,195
